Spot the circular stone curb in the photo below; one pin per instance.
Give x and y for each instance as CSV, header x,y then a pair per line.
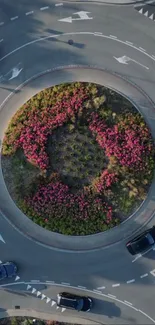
x,y
76,243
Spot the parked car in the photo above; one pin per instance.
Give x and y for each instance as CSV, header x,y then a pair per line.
x,y
7,270
142,242
71,301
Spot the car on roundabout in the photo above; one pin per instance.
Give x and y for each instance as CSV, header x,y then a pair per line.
x,y
141,242
74,302
7,270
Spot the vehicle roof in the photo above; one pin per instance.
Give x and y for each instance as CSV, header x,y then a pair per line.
x,y
68,302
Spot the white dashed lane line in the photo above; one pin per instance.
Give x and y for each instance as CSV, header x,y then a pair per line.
x,y
116,285
29,13
130,281
14,18
44,8
144,275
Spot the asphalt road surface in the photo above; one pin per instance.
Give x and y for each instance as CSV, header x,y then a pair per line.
x,y
34,40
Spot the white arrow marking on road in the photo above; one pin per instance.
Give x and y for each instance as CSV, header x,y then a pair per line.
x,y
38,293
17,278
48,300
43,297
1,238
82,14
125,59
153,272
28,287
34,290
15,73
63,309
53,303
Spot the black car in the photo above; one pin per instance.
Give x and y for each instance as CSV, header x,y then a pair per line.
x,y
142,242
71,301
7,270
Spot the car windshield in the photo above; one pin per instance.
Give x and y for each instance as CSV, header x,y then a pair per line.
x,y
79,304
150,239
2,272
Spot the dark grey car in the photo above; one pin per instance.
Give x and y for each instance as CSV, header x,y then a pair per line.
x,y
142,242
7,270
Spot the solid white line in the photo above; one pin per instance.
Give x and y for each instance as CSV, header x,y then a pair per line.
x,y
35,280
2,23
144,275
81,287
129,303
75,33
44,8
141,48
13,18
113,36
130,281
29,13
111,295
50,281
58,4
129,42
153,58
116,285
153,320
97,33
66,283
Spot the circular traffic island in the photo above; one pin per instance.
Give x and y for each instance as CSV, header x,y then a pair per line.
x,y
78,158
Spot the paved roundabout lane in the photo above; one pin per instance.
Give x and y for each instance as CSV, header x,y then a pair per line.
x,y
108,42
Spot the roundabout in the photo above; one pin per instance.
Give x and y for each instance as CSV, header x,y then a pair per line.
x,y
100,261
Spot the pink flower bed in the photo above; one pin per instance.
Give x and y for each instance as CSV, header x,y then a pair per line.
x,y
55,200
126,141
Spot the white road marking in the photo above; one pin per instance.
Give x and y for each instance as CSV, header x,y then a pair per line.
x,y
90,291
48,300
43,297
153,272
109,295
82,14
125,59
57,307
50,281
152,17
97,291
44,8
1,262
116,285
53,303
14,18
129,42
97,33
2,23
81,287
146,315
101,288
127,302
63,309
29,13
28,287
1,40
35,281
67,34
144,275
38,293
113,36
1,238
136,258
146,14
141,48
15,72
58,4
34,290
66,283
130,281
17,278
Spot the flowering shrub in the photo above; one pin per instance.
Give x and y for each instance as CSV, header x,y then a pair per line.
x,y
55,201
105,181
126,141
